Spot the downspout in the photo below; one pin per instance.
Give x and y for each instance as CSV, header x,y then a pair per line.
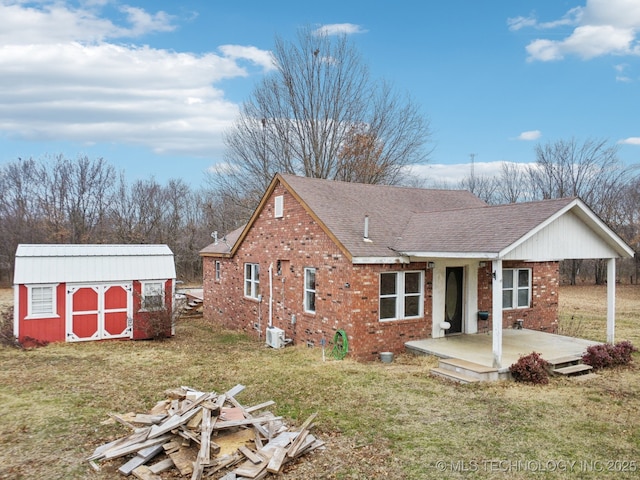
x,y
271,294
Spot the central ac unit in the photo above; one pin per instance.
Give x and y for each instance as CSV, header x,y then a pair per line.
x,y
275,337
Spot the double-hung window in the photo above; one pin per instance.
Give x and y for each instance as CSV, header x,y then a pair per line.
x,y
252,280
152,295
41,301
516,288
401,295
310,290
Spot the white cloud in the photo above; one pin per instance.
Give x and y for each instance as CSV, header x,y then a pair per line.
x,y
630,141
62,80
602,27
339,28
442,175
530,135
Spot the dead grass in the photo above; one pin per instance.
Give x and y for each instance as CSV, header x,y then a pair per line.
x,y
380,421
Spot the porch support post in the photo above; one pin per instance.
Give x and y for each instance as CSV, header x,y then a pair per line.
x,y
496,289
611,300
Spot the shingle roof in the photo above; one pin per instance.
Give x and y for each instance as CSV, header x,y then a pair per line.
x,y
487,229
342,207
223,246
414,221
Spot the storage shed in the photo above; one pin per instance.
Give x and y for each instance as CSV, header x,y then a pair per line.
x,y
92,292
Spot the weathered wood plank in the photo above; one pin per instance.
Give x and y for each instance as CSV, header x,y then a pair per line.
x,y
259,406
143,473
253,457
183,460
161,466
171,423
277,460
141,458
247,421
301,435
126,450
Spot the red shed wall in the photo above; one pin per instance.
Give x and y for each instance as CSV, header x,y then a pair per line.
x,y
41,329
141,326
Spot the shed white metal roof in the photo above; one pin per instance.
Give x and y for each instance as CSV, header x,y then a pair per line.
x,y
92,263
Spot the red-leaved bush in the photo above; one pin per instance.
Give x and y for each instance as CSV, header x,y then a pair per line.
x,y
607,355
531,368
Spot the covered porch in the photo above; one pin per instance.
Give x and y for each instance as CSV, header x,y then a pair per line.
x,y
477,348
497,241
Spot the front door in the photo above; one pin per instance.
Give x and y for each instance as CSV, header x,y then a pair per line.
x,y
96,312
453,299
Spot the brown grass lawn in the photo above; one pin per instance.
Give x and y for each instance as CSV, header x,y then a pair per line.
x,y
379,421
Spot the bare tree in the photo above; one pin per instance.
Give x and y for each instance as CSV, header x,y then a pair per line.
x,y
512,184
590,170
307,117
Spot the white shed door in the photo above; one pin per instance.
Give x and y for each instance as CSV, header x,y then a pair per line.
x,y
96,312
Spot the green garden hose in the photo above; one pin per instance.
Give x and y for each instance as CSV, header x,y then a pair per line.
x,y
340,345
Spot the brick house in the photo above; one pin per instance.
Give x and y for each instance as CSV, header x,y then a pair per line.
x,y
387,265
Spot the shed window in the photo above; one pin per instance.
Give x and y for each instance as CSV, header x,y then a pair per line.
x,y
310,290
516,288
42,302
252,280
152,295
401,295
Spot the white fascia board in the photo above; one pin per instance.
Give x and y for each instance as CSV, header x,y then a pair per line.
x,y
480,255
379,260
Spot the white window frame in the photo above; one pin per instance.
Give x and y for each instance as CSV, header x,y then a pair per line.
x,y
278,207
252,280
308,291
218,268
35,311
516,288
400,295
144,294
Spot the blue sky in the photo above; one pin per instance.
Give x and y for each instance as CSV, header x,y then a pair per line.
x,y
151,85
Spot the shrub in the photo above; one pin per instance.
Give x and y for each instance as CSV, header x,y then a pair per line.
x,y
6,328
607,355
531,368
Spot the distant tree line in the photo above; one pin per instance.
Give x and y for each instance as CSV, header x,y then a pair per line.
x,y
590,170
59,200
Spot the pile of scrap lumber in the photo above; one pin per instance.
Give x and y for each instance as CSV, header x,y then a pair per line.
x,y
208,435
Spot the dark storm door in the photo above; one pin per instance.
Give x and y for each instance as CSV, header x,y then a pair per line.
x,y
453,299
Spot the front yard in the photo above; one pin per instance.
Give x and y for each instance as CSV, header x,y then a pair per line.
x,y
379,421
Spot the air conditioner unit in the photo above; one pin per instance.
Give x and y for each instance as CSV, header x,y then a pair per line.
x,y
275,337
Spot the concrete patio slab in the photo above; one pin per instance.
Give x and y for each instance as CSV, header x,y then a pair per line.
x,y
477,348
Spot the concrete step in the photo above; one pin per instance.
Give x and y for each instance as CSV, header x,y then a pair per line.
x,y
453,376
565,361
470,369
583,378
579,369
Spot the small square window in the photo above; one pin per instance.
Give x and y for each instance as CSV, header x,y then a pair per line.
x,y
41,301
152,295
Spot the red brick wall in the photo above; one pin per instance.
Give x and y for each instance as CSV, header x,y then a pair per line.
x,y
298,242
543,314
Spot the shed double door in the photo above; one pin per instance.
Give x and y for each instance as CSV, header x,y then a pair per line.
x,y
97,312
